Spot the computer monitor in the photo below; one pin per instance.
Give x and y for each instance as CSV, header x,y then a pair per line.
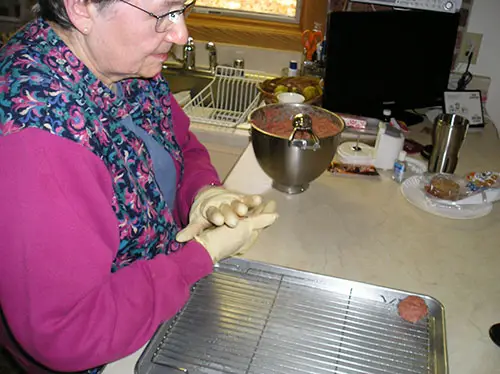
x,y
400,60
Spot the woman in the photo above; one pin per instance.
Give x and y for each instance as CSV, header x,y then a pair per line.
x,y
99,171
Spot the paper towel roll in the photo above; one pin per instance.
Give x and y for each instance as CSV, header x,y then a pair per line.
x,y
387,147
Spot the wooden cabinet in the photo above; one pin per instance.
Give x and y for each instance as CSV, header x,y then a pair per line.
x,y
13,14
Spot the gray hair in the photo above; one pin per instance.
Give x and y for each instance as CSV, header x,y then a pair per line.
x,y
55,11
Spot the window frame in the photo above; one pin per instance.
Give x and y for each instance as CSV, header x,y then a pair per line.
x,y
24,13
257,33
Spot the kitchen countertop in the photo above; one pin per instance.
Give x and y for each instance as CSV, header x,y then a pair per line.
x,y
364,230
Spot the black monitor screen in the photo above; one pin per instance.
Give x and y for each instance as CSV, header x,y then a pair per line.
x,y
392,59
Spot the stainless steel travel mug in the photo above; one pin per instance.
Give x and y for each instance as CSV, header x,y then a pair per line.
x,y
448,135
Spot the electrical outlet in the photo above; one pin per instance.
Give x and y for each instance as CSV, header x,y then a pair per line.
x,y
471,42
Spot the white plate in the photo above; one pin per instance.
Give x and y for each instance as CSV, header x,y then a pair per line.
x,y
412,190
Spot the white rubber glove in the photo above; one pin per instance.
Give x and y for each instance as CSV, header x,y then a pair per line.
x,y
223,241
264,208
216,206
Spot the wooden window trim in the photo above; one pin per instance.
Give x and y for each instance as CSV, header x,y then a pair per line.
x,y
257,33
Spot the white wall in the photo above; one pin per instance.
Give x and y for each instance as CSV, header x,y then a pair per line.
x,y
485,19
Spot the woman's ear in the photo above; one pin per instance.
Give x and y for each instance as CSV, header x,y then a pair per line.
x,y
79,14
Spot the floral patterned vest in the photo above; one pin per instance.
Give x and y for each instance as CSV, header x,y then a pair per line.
x,y
44,85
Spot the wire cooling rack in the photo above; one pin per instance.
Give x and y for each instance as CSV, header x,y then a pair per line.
x,y
254,318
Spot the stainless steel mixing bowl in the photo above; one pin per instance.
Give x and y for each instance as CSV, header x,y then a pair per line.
x,y
288,146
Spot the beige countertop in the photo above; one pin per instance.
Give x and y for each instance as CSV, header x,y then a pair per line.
x,y
364,230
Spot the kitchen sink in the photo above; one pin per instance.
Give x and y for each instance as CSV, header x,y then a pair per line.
x,y
180,79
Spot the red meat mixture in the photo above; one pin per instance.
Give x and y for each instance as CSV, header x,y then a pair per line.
x,y
412,309
280,123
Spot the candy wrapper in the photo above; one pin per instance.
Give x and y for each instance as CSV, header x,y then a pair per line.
x,y
355,122
474,188
351,169
477,182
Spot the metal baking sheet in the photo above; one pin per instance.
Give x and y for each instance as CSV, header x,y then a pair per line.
x,y
251,317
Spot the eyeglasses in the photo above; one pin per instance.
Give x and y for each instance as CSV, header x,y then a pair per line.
x,y
165,21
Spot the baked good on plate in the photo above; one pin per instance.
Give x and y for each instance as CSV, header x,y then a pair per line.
x,y
443,187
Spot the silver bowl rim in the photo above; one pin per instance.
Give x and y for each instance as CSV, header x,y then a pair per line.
x,y
255,127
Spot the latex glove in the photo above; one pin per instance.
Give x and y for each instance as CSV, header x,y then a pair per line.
x,y
223,241
216,206
266,208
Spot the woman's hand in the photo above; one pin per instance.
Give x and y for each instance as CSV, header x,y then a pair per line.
x,y
264,208
223,241
217,206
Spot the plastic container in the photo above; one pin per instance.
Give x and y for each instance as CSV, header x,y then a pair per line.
x,y
400,167
387,146
290,98
387,114
293,68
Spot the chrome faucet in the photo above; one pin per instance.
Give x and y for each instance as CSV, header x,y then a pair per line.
x,y
189,54
188,60
212,56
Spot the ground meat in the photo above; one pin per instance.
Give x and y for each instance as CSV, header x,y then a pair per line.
x,y
412,309
322,128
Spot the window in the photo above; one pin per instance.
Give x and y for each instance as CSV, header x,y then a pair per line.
x,y
13,14
15,11
253,29
278,10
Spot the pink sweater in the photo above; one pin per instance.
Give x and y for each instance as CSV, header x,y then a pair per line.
x,y
59,236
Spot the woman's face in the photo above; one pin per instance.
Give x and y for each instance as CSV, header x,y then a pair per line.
x,y
122,41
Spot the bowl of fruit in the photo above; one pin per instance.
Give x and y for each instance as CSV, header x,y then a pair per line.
x,y
309,87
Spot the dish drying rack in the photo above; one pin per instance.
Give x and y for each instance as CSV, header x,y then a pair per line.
x,y
228,99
